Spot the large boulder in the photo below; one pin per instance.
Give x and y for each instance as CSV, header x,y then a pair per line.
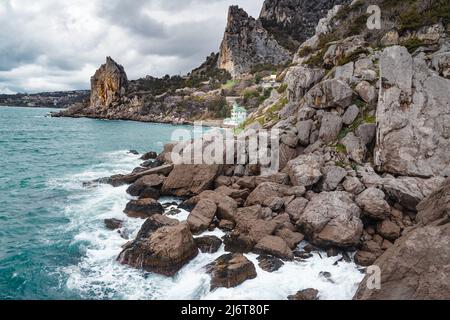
x,y
147,186
417,266
208,244
188,180
165,252
329,94
435,206
413,117
266,193
332,219
226,206
143,208
372,201
305,170
274,246
230,270
410,191
300,79
202,216
330,128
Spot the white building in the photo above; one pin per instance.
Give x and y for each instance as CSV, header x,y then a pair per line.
x,y
238,116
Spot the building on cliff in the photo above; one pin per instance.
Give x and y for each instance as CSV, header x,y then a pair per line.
x,y
238,116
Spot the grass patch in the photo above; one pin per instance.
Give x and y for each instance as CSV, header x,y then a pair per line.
x,y
413,44
341,148
282,89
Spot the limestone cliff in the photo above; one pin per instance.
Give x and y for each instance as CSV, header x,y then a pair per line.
x,y
294,21
247,44
108,84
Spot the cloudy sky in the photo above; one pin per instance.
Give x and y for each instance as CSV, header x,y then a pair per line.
x,y
50,45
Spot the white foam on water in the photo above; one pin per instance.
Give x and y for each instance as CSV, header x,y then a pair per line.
x,y
99,276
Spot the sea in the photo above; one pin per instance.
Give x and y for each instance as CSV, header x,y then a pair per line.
x,y
53,241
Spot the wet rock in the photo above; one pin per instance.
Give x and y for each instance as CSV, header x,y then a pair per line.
x,y
113,224
305,295
332,219
149,156
269,263
202,216
274,246
189,180
238,243
208,244
230,270
133,152
226,225
165,252
365,259
291,238
143,208
154,223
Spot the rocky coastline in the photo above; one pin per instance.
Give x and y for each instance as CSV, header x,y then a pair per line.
x,y
364,167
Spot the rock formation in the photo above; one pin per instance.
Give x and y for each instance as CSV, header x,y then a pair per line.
x,y
108,84
247,44
294,21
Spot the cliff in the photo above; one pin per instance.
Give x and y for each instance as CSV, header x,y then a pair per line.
x,y
247,44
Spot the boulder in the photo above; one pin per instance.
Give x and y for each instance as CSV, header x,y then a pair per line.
x,y
332,177
436,205
230,270
364,258
291,238
367,92
350,115
410,191
143,208
113,224
372,202
305,170
202,216
305,295
238,243
330,128
274,246
165,252
417,267
353,185
269,263
413,115
304,129
366,132
208,244
296,208
226,206
332,219
266,193
149,156
329,94
300,79
355,147
389,230
154,223
189,180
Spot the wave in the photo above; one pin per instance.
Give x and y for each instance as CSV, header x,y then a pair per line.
x,y
99,276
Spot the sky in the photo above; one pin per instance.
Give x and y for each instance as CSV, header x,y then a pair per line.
x,y
53,45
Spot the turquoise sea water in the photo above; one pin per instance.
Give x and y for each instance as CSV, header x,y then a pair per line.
x,y
53,242
43,163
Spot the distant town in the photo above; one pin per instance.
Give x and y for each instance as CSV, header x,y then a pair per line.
x,y
58,99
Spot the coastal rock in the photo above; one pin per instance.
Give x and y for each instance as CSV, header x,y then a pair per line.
x,y
189,180
300,79
296,208
365,259
146,186
353,185
230,270
165,252
332,219
143,208
108,84
152,155
305,295
208,244
269,263
113,224
388,230
266,193
291,238
274,246
333,176
202,216
154,223
247,44
413,115
226,206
